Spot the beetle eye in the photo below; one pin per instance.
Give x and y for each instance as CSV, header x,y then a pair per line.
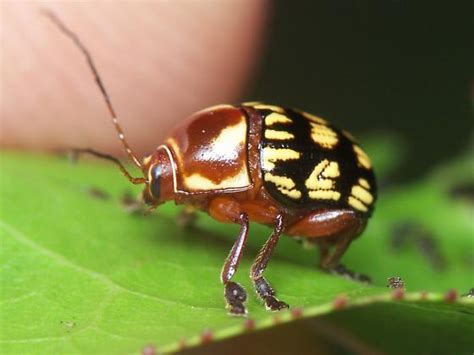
x,y
155,181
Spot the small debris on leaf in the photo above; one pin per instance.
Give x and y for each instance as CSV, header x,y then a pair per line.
x,y
395,282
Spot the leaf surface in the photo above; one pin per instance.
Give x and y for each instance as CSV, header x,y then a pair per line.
x,y
80,275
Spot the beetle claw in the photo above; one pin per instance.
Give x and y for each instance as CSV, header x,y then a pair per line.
x,y
274,304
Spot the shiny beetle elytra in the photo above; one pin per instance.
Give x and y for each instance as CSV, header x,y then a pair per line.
x,y
281,167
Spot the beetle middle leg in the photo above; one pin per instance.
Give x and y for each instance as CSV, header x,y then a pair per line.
x,y
234,294
263,288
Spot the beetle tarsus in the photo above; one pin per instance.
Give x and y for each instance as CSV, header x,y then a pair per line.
x,y
343,271
274,304
266,292
235,296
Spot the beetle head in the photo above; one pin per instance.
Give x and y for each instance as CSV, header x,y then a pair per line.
x,y
159,172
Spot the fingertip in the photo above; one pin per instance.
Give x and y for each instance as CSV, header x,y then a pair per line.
x,y
159,61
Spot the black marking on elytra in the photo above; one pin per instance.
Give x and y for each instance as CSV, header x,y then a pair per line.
x,y
311,155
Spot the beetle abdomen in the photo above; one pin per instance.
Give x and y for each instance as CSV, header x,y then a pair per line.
x,y
307,162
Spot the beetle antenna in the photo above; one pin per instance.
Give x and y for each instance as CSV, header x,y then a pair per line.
x,y
62,27
134,180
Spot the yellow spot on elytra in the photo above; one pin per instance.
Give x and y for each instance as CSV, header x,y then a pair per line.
x,y
362,158
269,107
313,118
272,155
321,181
324,195
294,194
276,118
357,204
362,194
325,168
282,181
284,184
364,183
323,135
332,170
278,135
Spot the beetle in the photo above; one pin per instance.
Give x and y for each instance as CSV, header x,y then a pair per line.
x,y
285,168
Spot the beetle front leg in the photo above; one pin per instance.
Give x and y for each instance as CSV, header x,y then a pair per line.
x,y
187,217
234,294
263,288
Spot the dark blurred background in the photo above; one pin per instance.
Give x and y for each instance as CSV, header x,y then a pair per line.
x,y
394,65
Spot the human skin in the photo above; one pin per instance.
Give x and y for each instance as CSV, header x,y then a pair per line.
x,y
160,61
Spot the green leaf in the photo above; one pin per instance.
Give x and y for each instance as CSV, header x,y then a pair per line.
x,y
79,275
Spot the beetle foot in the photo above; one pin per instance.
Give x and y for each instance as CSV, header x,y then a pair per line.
x,y
235,297
274,304
267,294
343,271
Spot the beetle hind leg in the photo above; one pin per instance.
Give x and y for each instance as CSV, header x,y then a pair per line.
x,y
263,288
234,294
330,261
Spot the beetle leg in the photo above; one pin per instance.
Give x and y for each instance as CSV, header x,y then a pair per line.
x,y
187,217
330,262
263,288
235,294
